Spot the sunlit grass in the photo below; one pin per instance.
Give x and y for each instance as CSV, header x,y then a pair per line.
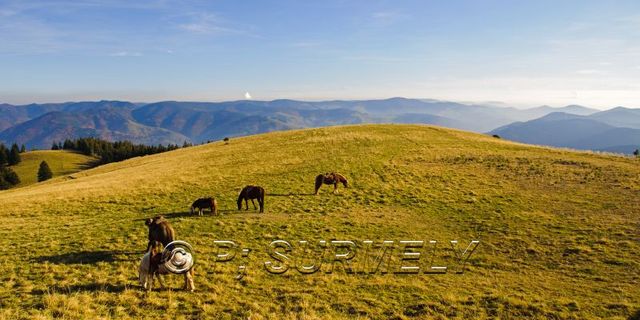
x,y
558,229
61,162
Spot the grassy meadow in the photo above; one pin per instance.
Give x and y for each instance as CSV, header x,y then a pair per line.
x,y
61,162
559,230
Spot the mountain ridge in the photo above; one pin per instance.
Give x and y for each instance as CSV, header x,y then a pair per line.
x,y
175,122
599,131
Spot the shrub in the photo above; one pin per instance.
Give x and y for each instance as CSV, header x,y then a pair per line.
x,y
8,178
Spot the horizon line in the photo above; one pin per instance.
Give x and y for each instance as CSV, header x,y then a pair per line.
x,y
492,104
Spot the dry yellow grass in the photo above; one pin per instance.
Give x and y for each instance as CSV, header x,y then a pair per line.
x,y
558,229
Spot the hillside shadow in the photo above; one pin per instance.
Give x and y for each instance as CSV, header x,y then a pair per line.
x,y
172,215
205,213
89,164
86,257
87,287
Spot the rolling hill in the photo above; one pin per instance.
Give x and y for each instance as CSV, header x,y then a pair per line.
x,y
615,130
61,162
174,122
557,229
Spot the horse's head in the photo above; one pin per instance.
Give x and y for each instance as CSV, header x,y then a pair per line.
x,y
240,201
340,178
191,209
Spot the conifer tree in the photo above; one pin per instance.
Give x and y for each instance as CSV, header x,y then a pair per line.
x,y
44,173
14,155
4,155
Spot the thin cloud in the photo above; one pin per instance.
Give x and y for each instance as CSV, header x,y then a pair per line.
x,y
205,24
7,12
387,17
126,54
588,71
373,58
306,44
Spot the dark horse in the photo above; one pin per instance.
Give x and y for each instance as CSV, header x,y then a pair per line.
x,y
250,193
205,203
331,178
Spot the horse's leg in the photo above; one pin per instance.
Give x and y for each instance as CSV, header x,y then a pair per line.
x,y
161,281
261,203
318,185
246,204
254,205
150,283
335,188
188,281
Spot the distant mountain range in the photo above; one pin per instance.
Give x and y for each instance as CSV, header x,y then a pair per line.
x,y
38,125
615,130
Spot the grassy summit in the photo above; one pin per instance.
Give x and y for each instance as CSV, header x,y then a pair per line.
x,y
558,229
61,162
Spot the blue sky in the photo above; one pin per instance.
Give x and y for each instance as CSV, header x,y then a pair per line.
x,y
522,53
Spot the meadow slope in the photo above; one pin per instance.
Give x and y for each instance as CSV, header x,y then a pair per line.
x,y
559,230
61,162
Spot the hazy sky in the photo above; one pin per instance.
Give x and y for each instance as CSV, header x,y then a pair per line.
x,y
519,52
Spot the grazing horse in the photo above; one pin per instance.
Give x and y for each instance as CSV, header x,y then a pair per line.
x,y
331,178
250,193
160,231
205,203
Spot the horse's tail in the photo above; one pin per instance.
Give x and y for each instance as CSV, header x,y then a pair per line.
x,y
319,180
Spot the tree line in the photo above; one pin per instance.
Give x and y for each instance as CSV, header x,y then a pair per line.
x,y
9,157
112,151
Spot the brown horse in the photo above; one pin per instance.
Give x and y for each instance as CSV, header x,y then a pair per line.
x,y
250,193
331,178
160,231
205,203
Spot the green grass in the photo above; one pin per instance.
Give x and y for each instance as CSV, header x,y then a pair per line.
x,y
558,229
62,163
